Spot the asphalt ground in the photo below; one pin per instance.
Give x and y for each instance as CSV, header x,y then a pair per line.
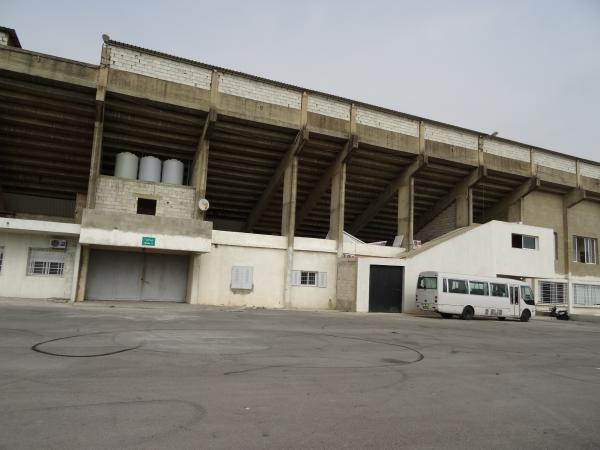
x,y
123,375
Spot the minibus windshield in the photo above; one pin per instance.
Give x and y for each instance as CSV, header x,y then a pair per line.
x,y
427,283
527,295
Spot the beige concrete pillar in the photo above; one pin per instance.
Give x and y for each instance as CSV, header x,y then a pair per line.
x,y
96,157
288,226
406,208
76,269
193,284
464,208
515,211
337,207
200,176
83,272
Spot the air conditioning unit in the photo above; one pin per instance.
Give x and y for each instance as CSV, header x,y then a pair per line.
x,y
58,243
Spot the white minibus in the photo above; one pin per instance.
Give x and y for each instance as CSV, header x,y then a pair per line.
x,y
469,296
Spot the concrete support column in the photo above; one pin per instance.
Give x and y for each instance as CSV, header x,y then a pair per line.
x,y
193,287
567,254
83,272
406,194
2,203
288,226
76,268
464,208
337,207
96,157
200,175
515,211
288,210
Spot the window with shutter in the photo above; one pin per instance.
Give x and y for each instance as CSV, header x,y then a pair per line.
x,y
242,277
322,280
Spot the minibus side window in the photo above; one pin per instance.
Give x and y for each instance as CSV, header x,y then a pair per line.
x,y
478,288
499,290
445,285
458,286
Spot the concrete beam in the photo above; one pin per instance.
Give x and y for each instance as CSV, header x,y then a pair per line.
x,y
293,151
461,190
521,191
573,197
48,67
376,206
321,187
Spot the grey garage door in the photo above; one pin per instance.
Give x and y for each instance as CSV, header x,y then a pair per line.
x,y
114,275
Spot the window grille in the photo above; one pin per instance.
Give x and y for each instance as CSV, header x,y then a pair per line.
x,y
46,262
553,293
586,294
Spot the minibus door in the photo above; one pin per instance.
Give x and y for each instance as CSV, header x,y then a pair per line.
x,y
514,299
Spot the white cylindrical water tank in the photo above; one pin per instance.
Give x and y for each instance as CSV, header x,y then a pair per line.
x,y
150,168
126,165
172,171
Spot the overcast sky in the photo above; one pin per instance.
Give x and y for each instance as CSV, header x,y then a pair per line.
x,y
527,69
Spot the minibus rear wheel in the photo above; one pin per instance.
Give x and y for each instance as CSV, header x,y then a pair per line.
x,y
467,313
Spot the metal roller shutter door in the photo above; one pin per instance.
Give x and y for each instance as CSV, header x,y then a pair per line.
x,y
115,275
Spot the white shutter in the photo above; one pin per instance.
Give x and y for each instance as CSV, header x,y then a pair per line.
x,y
295,281
322,279
241,277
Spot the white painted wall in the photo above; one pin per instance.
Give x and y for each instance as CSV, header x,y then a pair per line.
x,y
214,276
267,255
312,297
485,250
14,281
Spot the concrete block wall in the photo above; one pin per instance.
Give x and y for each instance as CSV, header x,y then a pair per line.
x,y
3,38
449,136
259,91
120,195
513,151
557,162
346,285
328,107
157,67
387,121
442,224
591,171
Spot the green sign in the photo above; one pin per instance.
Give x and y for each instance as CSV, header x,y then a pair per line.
x,y
148,241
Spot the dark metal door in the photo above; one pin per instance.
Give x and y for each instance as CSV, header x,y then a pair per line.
x,y
385,288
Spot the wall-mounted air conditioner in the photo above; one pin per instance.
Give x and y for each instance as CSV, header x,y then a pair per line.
x,y
58,243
